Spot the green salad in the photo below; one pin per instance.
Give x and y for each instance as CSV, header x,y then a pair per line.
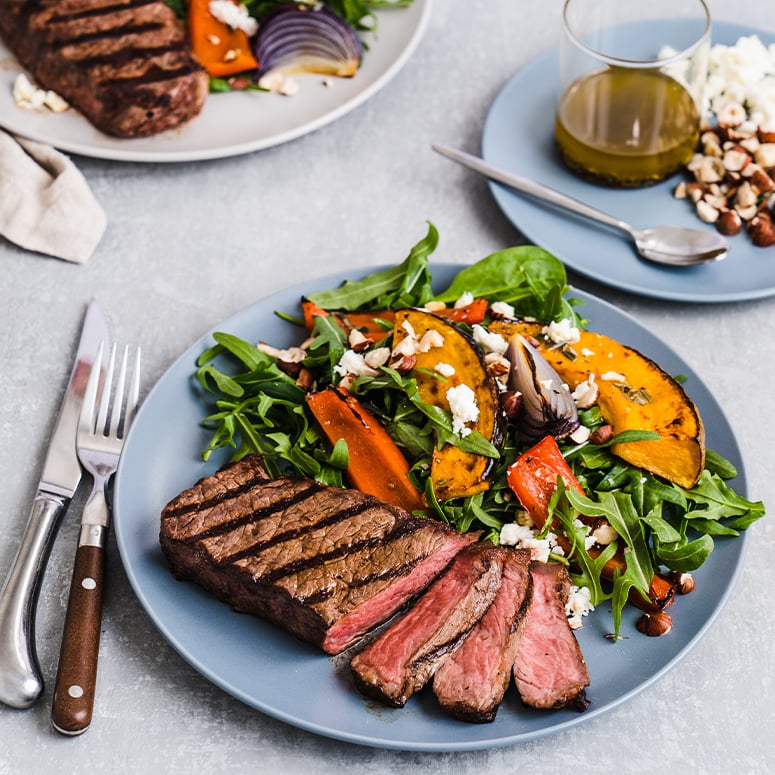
x,y
562,483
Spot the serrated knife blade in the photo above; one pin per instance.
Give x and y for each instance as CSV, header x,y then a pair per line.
x,y
21,683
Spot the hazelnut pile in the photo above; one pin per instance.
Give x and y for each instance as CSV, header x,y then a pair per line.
x,y
733,183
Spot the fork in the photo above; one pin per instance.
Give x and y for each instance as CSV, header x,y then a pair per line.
x,y
105,419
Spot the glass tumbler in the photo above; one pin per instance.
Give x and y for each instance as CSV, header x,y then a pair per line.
x,y
632,76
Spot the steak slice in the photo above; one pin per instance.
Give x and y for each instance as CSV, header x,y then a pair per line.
x,y
126,65
327,564
472,682
404,657
549,670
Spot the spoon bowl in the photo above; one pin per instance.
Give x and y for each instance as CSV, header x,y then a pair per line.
x,y
676,246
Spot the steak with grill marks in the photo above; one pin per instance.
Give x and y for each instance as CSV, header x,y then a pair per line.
x,y
327,564
472,682
549,670
405,656
126,65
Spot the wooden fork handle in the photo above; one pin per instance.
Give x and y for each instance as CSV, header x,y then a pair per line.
x,y
71,712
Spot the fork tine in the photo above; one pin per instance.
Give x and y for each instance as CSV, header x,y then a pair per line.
x,y
89,406
118,396
102,417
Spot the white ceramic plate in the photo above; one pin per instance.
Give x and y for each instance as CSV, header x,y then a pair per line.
x,y
271,671
519,136
234,123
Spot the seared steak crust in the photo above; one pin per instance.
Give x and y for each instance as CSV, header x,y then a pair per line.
x,y
325,563
125,64
549,670
405,656
472,682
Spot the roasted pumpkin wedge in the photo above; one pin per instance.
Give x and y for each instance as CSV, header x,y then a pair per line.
x,y
635,393
454,472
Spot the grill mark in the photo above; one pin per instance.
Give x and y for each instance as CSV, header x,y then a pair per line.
x,y
126,55
228,494
151,76
93,12
289,535
389,573
114,32
252,516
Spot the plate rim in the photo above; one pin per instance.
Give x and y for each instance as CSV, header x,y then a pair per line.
x,y
505,199
166,156
262,307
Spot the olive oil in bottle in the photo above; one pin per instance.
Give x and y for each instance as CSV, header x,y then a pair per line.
x,y
627,127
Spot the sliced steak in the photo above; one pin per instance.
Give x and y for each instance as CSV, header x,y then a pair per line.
x,y
404,657
471,683
125,64
549,670
325,563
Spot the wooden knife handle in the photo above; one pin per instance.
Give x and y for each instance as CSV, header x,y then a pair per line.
x,y
73,702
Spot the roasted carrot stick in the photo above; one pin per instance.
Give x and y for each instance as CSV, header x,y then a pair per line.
x,y
377,466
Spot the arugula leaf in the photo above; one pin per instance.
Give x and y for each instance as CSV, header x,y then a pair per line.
x,y
527,277
405,285
720,500
685,556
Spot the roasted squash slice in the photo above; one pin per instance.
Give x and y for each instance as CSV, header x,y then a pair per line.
x,y
454,472
634,394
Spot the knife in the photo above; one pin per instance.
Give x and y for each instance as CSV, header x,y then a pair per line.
x,y
21,683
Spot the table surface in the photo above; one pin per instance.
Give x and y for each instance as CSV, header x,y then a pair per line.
x,y
189,244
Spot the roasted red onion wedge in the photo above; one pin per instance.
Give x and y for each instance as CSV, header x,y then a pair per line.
x,y
547,404
306,38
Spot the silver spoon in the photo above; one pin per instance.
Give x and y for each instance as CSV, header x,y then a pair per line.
x,y
671,245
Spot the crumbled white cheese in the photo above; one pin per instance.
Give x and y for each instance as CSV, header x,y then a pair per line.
x,y
524,537
464,300
462,404
604,534
409,328
354,363
235,15
586,352
492,343
586,392
578,605
613,376
445,369
502,309
562,332
291,355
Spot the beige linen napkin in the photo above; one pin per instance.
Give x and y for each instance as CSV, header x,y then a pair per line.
x,y
45,203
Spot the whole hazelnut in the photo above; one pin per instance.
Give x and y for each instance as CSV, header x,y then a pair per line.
x,y
762,232
684,582
601,435
655,624
511,403
729,223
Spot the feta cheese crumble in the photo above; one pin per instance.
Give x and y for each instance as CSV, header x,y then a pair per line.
x,y
445,369
562,332
354,363
524,537
578,605
464,300
586,392
502,309
462,404
234,15
490,343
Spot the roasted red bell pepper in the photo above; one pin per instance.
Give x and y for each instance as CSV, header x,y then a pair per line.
x,y
533,478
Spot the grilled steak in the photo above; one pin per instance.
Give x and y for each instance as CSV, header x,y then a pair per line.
x,y
549,670
125,64
404,657
325,563
471,683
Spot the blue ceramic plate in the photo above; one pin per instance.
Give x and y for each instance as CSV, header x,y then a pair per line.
x,y
519,136
263,666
